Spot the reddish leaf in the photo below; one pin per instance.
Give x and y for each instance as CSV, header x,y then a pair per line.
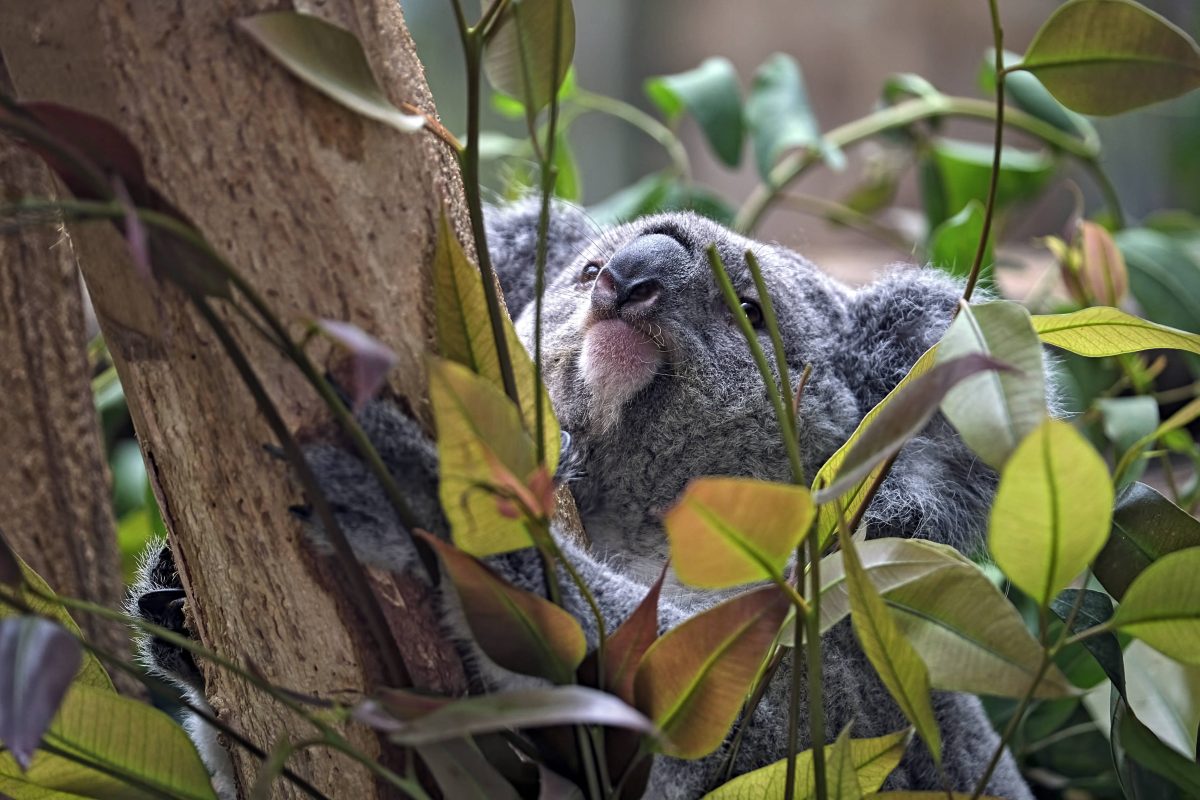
x,y
693,680
38,659
136,237
370,359
1102,267
626,646
518,630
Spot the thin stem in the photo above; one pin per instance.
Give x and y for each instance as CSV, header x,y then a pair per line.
x,y
788,421
816,701
902,115
549,178
789,786
472,44
1012,726
639,119
990,207
839,214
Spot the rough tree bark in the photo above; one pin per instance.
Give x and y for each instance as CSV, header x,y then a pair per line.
x,y
56,504
326,214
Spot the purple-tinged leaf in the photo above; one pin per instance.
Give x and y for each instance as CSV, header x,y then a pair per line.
x,y
528,708
903,418
370,359
625,647
38,660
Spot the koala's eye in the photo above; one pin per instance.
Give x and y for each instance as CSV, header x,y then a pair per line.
x,y
753,312
590,271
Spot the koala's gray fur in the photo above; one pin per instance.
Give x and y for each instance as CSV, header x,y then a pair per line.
x,y
704,411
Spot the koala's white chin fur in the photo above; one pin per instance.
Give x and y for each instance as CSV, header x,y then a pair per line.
x,y
617,362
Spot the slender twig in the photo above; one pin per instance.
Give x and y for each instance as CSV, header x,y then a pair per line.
x,y
839,214
997,151
680,163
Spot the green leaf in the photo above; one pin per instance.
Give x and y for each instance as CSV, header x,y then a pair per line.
x,y
1099,331
960,171
1165,695
872,760
1110,56
952,244
853,500
903,418
464,335
994,411
519,57
780,118
1095,609
1162,606
568,183
477,426
1127,422
1052,510
331,60
146,748
1181,418
638,199
894,659
1027,93
692,681
971,638
1164,277
498,711
91,672
1146,526
710,93
515,628
730,531
1130,737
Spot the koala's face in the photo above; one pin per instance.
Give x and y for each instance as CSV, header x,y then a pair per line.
x,y
651,376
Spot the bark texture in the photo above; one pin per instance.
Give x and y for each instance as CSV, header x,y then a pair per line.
x,y
326,214
55,505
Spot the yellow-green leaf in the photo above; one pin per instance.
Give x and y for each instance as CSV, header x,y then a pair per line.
x,y
692,681
994,411
729,531
91,672
477,423
518,630
852,500
841,775
971,638
331,60
873,760
143,752
1162,606
894,659
1110,56
1052,511
464,334
1100,331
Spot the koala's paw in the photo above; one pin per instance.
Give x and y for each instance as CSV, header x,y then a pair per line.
x,y
156,596
360,506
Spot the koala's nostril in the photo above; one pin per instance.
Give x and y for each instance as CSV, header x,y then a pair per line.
x,y
644,292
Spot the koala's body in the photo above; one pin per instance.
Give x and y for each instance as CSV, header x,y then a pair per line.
x,y
655,386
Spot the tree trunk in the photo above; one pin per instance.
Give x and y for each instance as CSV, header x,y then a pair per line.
x,y
326,214
56,504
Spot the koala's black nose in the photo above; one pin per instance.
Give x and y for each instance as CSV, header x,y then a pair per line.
x,y
636,276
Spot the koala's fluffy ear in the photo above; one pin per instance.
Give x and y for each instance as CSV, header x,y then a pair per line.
x,y
512,242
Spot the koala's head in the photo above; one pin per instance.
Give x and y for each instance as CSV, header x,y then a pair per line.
x,y
652,378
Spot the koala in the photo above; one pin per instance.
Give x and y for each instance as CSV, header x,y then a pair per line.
x,y
653,385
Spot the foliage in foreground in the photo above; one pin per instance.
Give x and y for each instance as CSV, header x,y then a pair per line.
x,y
1070,533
